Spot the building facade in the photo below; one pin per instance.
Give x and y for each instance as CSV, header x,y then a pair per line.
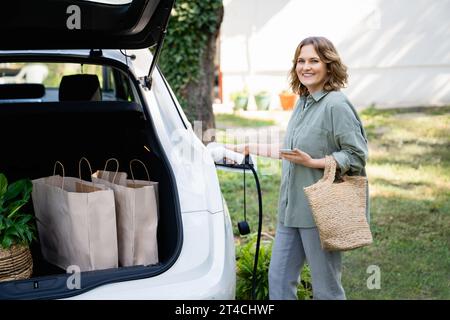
x,y
397,51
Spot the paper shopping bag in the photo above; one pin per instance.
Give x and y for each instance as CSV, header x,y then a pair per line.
x,y
137,215
76,222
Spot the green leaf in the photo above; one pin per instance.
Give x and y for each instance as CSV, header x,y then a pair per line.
x,y
28,189
14,207
3,185
29,236
6,242
8,223
15,226
244,264
12,232
14,189
24,218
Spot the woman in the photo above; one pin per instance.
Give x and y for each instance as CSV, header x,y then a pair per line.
x,y
324,122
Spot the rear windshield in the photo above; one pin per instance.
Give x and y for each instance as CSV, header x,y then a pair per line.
x,y
114,85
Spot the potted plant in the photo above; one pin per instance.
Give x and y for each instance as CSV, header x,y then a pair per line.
x,y
262,99
17,230
287,99
240,99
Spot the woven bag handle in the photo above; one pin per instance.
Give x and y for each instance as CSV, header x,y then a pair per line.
x,y
330,170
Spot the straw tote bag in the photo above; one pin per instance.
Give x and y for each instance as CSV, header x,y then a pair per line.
x,y
339,209
136,212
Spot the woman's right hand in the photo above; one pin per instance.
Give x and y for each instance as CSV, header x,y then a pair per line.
x,y
245,149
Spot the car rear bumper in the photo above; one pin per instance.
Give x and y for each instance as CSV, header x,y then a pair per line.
x,y
204,270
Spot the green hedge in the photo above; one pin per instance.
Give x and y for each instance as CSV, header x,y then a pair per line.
x,y
190,25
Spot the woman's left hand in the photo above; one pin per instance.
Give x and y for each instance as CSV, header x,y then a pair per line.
x,y
298,157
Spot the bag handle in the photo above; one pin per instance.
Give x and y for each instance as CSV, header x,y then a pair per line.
x,y
90,168
131,169
64,173
330,170
117,167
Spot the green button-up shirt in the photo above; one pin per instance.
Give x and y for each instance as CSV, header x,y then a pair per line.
x,y
324,123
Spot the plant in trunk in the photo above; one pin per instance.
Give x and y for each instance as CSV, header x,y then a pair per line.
x,y
16,226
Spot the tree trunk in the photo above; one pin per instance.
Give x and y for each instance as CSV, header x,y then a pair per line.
x,y
199,94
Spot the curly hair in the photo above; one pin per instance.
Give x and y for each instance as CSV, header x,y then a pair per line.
x,y
328,54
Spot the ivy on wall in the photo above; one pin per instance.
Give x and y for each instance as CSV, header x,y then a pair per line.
x,y
190,25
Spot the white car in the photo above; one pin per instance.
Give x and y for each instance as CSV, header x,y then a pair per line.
x,y
108,106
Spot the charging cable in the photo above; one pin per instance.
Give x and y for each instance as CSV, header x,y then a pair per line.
x,y
243,226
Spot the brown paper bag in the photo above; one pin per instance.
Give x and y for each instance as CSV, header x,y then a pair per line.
x,y
137,215
76,222
116,177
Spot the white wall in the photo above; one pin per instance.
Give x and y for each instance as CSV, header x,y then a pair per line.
x,y
397,51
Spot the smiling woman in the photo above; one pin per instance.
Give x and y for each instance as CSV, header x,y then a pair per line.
x,y
323,123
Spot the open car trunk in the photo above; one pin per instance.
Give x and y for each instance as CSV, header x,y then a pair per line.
x,y
35,135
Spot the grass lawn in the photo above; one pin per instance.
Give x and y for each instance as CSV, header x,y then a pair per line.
x,y
231,120
409,177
